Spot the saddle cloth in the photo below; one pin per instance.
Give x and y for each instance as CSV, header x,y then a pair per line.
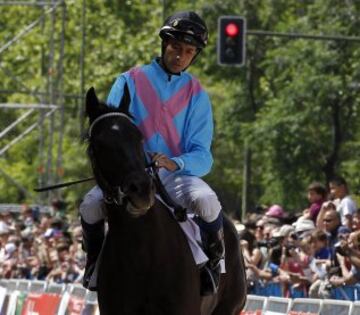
x,y
192,233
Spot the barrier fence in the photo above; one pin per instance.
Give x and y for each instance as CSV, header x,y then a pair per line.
x,y
260,305
348,292
25,297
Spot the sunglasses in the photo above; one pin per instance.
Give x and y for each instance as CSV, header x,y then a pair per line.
x,y
328,220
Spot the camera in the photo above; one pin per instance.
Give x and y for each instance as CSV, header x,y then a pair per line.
x,y
339,248
288,249
269,243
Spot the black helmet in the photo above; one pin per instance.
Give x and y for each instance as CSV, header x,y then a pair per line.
x,y
187,27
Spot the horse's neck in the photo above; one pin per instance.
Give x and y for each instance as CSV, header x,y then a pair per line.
x,y
120,221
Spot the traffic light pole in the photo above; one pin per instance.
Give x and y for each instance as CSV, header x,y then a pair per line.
x,y
304,36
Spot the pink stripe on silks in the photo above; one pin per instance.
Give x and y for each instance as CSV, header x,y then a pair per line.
x,y
178,101
160,115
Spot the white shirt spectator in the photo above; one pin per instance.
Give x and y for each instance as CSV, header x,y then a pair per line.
x,y
347,206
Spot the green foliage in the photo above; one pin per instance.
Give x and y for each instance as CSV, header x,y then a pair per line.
x,y
285,102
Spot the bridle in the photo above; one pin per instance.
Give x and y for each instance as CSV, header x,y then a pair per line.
x,y
115,195
101,117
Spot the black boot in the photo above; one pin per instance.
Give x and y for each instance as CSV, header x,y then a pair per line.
x,y
214,247
93,238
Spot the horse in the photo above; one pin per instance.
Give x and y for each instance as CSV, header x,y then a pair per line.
x,y
146,265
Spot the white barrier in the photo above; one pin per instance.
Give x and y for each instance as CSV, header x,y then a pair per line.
x,y
39,297
258,305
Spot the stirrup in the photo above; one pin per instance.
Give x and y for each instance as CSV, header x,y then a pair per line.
x,y
89,270
209,281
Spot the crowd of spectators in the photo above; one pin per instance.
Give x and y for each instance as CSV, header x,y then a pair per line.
x,y
40,245
311,252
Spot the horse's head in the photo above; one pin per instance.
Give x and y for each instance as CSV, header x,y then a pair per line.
x,y
117,155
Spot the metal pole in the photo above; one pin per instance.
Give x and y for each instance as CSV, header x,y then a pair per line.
x,y
50,81
25,31
27,106
20,187
22,135
36,4
305,36
82,64
40,93
16,122
246,177
60,90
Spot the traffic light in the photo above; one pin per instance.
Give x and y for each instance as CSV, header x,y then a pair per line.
x,y
231,40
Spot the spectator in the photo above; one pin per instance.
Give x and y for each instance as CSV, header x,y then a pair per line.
x,y
351,249
259,230
251,252
322,251
316,195
347,206
326,206
332,223
356,221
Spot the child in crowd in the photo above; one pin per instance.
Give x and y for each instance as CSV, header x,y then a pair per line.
x,y
316,195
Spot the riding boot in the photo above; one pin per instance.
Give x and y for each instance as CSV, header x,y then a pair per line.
x,y
214,247
93,238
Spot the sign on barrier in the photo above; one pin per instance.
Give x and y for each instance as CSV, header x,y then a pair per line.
x,y
2,297
20,302
75,306
300,313
41,304
90,309
257,312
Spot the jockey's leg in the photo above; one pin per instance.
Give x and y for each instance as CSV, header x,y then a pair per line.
x,y
207,207
92,221
194,194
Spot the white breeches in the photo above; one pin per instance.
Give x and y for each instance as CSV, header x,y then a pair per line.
x,y
189,191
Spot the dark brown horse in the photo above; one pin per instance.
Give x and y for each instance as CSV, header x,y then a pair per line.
x,y
147,267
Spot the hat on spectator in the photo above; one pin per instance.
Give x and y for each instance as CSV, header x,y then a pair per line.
x,y
285,230
50,232
10,248
4,228
271,221
303,225
275,211
27,234
343,230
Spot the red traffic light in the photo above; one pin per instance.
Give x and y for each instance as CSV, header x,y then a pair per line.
x,y
231,40
231,29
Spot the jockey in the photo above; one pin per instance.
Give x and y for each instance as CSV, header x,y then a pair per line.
x,y
174,114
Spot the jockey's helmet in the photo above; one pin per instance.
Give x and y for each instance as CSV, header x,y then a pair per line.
x,y
186,27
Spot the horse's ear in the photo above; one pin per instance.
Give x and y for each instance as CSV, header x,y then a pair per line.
x,y
125,101
92,103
